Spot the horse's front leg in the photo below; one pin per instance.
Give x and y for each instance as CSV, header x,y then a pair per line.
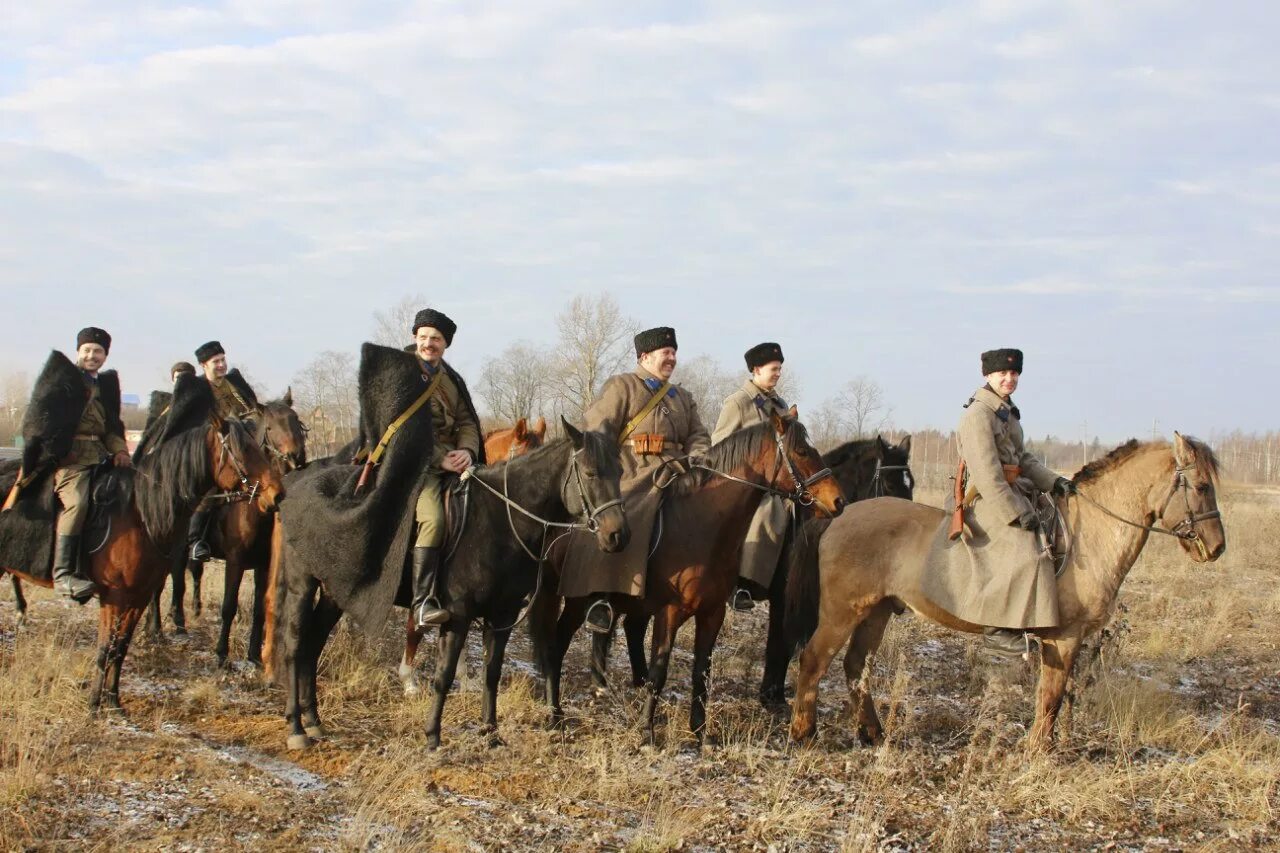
x,y
108,620
408,675
571,619
297,612
120,648
454,637
254,653
324,618
777,654
707,630
232,576
495,649
633,628
1057,657
19,600
600,644
665,624
178,579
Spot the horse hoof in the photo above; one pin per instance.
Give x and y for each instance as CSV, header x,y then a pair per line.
x,y
433,742
803,734
555,723
180,630
298,742
317,731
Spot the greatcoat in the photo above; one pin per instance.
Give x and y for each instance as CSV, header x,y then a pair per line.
x,y
586,569
995,574
762,548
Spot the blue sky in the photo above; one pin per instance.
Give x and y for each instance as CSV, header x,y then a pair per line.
x,y
887,188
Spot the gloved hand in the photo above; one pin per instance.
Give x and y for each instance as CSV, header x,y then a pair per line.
x,y
1062,487
1027,521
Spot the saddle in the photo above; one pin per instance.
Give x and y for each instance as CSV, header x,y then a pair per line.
x,y
109,489
457,503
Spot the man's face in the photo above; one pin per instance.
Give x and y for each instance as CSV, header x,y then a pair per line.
x,y
430,344
766,376
215,368
91,357
1004,382
660,362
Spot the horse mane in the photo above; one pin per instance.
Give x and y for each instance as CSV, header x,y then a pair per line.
x,y
735,451
1204,457
177,474
843,453
600,448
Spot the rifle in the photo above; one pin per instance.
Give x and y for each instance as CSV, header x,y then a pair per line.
x,y
957,515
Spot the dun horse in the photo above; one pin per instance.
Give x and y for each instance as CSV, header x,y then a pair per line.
x,y
694,565
871,563
154,498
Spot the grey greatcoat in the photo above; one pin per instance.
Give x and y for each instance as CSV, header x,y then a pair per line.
x,y
994,574
586,568
762,548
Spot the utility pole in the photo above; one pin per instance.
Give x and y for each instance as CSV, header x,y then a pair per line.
x,y
1084,446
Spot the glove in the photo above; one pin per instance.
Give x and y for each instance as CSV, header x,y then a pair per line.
x,y
1027,521
1062,487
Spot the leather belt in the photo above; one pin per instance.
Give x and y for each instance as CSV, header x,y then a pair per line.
x,y
80,436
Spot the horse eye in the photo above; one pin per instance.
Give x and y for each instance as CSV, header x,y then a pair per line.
x,y
1203,489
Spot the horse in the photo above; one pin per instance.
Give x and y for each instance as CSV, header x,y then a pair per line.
x,y
694,564
872,562
146,524
515,441
864,468
499,444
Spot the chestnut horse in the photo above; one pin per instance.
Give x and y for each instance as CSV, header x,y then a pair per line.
x,y
694,564
871,564
157,495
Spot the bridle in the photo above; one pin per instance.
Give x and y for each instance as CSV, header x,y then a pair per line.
x,y
876,489
801,494
245,490
288,461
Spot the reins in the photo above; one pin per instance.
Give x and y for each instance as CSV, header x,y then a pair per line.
x,y
800,494
1185,529
246,491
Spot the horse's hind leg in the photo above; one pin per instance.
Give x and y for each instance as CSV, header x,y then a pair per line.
x,y
128,622
835,624
454,636
776,652
571,619
296,611
634,628
409,675
178,577
600,644
866,639
323,619
254,653
665,625
152,626
19,600
495,649
197,576
232,576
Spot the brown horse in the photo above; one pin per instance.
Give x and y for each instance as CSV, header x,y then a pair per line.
x,y
499,445
694,565
871,566
516,441
156,496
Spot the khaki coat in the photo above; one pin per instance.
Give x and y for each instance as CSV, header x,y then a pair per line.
x,y
995,574
586,569
762,548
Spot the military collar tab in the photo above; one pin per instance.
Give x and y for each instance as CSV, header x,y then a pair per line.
x,y
653,383
1001,407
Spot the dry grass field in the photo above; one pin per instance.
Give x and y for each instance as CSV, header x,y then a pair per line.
x,y
1174,744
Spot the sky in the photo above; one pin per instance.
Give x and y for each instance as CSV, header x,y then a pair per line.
x,y
885,188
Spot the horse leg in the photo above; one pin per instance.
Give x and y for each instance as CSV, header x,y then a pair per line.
x,y
256,627
197,575
495,649
707,629
324,618
600,644
571,619
408,675
543,611
232,576
120,648
776,653
1057,657
835,625
19,600
665,624
152,627
178,576
108,626
866,639
453,638
633,628
296,611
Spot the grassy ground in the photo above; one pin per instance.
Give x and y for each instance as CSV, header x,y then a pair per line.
x,y
1175,743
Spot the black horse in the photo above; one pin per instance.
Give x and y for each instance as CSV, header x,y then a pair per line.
x,y
866,468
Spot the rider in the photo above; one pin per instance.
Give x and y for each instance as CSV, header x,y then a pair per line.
x,y
99,435
657,425
752,404
458,446
232,399
1011,579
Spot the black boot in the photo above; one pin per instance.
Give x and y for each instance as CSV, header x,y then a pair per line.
x,y
1006,643
742,600
66,570
426,606
599,618
198,548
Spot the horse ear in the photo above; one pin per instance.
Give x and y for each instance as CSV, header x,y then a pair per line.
x,y
793,412
287,399
780,423
521,430
1182,450
905,444
540,426
575,434
884,445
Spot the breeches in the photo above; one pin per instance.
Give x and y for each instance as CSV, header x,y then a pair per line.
x,y
71,485
429,513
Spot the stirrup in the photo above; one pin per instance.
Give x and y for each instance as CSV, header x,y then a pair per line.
x,y
78,589
430,614
1007,644
200,551
742,600
593,621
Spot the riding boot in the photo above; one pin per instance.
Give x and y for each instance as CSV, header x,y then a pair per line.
x,y
67,579
198,548
426,606
1007,643
599,619
742,599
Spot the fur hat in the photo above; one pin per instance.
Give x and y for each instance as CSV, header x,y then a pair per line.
x,y
434,319
207,351
996,360
93,335
180,367
656,338
762,354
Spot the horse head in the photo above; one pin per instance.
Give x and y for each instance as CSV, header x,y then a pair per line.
x,y
240,467
591,489
892,475
801,469
1190,509
281,434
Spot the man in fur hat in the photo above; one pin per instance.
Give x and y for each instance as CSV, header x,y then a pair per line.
x,y
754,403
232,399
458,446
996,572
656,423
98,436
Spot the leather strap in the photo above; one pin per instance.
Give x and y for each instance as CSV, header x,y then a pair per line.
x,y
644,412
395,425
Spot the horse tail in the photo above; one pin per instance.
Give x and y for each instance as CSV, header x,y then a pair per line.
x,y
272,645
802,582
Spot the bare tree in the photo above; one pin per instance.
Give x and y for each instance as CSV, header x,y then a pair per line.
x,y
15,393
594,343
391,327
863,406
708,382
515,384
326,395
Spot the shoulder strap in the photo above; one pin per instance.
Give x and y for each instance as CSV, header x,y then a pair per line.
x,y
644,412
395,425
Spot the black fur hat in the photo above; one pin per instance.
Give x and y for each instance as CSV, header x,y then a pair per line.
x,y
762,354
996,360
207,351
93,335
180,367
436,320
656,338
